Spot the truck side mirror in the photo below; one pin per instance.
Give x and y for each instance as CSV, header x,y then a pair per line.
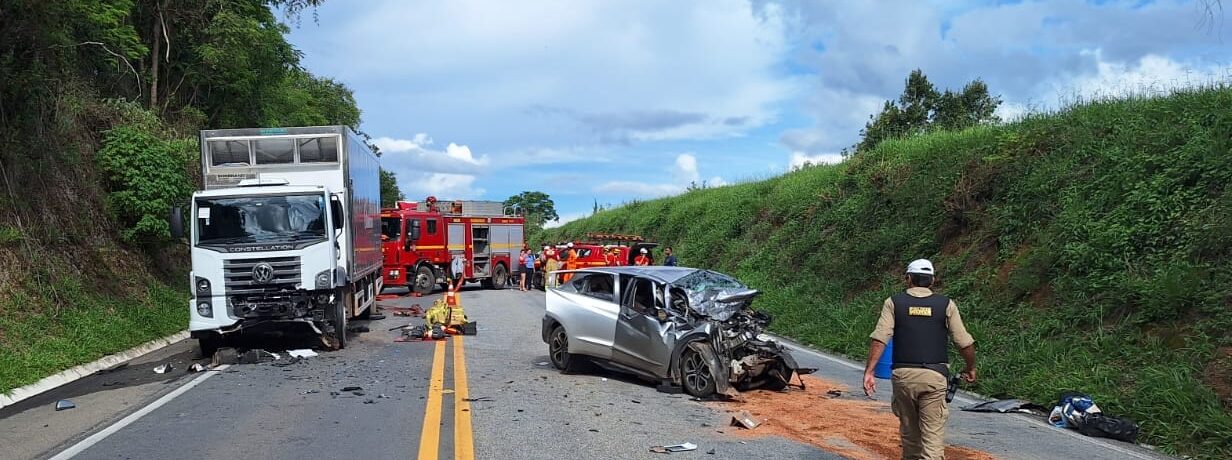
x,y
176,219
336,214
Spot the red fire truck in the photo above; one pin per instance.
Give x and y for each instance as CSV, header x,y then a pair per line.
x,y
427,244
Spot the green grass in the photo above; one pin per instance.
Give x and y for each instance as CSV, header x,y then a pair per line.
x,y
42,336
1088,249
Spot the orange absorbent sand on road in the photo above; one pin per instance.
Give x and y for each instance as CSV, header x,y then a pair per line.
x,y
855,428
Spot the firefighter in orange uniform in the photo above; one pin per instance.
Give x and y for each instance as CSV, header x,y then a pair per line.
x,y
571,262
642,259
609,257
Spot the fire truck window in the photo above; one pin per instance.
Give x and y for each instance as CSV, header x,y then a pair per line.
x,y
229,153
391,227
274,151
318,150
431,227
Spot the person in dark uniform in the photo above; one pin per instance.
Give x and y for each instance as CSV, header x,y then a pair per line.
x,y
919,321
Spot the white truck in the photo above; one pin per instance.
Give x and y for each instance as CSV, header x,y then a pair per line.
x,y
286,233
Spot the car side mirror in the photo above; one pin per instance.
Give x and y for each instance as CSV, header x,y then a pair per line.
x,y
336,214
176,219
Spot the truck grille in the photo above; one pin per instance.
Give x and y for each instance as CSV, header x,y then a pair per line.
x,y
240,279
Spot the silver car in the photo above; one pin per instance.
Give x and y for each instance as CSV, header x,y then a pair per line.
x,y
679,327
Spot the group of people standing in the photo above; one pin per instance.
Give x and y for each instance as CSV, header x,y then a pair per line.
x,y
552,259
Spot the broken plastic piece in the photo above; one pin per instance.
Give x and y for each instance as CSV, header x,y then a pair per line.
x,y
303,353
162,369
196,367
745,419
834,393
64,404
352,388
683,447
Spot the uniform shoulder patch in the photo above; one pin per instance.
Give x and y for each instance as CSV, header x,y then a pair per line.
x,y
920,311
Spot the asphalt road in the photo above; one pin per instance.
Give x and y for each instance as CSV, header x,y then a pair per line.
x,y
492,395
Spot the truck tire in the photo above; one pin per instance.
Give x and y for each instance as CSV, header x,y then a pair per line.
x,y
424,280
208,344
500,276
338,316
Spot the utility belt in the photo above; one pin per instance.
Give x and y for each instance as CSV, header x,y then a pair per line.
x,y
940,368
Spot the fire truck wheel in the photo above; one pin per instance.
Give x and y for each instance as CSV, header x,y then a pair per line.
x,y
500,277
425,281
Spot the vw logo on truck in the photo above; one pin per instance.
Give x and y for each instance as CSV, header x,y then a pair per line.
x,y
262,273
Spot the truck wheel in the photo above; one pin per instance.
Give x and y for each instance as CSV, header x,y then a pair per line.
x,y
339,319
500,276
208,344
424,281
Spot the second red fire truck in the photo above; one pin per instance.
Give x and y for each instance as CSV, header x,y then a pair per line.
x,y
427,244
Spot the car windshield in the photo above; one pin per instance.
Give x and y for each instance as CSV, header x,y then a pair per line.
x,y
261,219
391,227
704,280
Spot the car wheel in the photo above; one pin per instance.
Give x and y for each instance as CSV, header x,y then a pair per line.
x,y
777,377
695,374
558,352
424,281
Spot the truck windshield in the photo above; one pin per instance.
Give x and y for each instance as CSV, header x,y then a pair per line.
x,y
391,227
261,219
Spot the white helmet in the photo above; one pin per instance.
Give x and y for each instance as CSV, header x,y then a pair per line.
x,y
644,250
570,244
921,266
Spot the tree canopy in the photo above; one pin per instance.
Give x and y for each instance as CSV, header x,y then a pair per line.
x,y
534,205
921,108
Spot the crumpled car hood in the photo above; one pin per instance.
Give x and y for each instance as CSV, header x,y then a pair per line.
x,y
721,304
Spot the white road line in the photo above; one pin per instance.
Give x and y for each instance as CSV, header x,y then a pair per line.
x,y
133,417
966,400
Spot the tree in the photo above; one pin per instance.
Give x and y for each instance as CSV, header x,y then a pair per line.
x,y
921,108
390,193
534,205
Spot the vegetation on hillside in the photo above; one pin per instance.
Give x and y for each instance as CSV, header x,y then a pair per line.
x,y
1090,250
100,104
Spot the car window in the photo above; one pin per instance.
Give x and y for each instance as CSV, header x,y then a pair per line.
x,y
600,286
577,284
643,294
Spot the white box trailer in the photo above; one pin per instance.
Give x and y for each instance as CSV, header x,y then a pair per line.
x,y
286,232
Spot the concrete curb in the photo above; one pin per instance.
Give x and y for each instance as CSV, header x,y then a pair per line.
x,y
48,383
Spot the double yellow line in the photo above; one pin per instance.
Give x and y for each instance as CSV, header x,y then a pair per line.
x,y
463,436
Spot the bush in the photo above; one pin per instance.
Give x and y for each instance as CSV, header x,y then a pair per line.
x,y
146,167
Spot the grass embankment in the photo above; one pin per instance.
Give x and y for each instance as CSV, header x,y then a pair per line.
x,y
1089,250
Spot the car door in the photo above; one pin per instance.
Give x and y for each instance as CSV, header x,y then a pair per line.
x,y
586,306
642,340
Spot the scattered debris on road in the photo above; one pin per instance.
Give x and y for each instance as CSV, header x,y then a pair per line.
x,y
64,404
302,353
352,388
225,356
684,447
358,329
835,393
745,420
795,417
196,367
1007,405
163,369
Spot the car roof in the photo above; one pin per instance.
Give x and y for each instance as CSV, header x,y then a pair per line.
x,y
666,274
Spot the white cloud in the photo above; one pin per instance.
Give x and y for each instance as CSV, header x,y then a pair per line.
x,y
686,168
444,186
566,218
1149,76
798,159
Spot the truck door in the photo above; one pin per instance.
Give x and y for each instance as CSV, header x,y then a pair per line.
x,y
457,245
642,341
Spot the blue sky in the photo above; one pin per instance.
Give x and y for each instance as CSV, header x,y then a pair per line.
x,y
617,100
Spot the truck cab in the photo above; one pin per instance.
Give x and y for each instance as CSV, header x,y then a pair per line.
x,y
285,235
